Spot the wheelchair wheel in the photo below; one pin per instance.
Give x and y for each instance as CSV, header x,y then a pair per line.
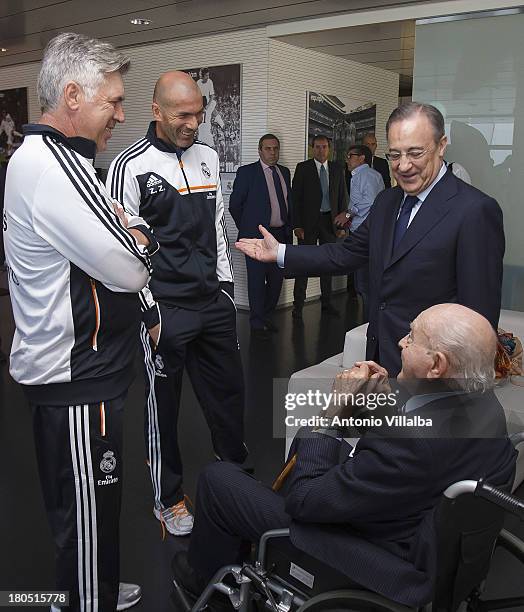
x,y
351,601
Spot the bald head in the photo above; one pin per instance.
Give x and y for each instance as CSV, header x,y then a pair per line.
x,y
450,320
174,85
458,340
177,108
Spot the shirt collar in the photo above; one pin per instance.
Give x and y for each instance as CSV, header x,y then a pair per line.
x,y
358,168
83,146
424,194
163,145
318,164
266,166
417,401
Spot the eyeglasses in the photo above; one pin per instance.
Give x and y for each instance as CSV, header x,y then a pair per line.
x,y
411,155
353,155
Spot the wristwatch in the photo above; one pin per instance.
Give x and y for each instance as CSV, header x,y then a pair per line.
x,y
348,215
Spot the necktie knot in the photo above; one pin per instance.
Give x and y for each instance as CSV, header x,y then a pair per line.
x,y
409,202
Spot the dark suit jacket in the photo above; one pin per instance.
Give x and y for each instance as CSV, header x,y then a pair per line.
x,y
249,203
307,194
371,516
381,165
451,252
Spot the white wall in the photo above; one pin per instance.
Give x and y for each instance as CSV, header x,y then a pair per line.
x,y
293,71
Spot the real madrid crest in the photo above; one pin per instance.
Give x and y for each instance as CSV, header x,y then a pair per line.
x,y
205,170
108,463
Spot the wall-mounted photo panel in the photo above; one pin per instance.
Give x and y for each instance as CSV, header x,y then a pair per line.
x,y
13,115
343,120
221,126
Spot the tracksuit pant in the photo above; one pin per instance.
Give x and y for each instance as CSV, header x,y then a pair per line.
x,y
79,454
205,342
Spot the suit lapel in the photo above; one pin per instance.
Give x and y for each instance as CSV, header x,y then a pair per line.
x,y
261,178
314,173
332,195
390,218
433,209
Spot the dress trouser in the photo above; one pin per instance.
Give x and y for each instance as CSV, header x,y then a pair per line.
x,y
79,454
205,342
324,233
264,283
232,508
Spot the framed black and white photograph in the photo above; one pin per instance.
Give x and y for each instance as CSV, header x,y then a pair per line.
x,y
343,120
221,127
13,115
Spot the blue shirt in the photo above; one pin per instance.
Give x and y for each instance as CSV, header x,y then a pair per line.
x,y
366,184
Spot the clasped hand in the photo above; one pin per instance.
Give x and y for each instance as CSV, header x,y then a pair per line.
x,y
364,377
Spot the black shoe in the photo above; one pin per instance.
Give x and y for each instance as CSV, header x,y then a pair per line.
x,y
271,327
261,333
329,310
297,313
187,578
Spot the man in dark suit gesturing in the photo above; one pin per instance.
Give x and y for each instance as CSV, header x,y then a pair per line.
x,y
262,196
431,239
377,163
319,195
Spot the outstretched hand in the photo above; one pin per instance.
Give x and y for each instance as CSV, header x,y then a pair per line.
x,y
265,249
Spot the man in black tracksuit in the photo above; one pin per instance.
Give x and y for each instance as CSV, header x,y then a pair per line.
x,y
188,308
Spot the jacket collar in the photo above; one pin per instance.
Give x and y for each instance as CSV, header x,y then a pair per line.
x,y
83,146
162,145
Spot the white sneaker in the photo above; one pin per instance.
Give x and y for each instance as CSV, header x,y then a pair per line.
x,y
128,596
177,519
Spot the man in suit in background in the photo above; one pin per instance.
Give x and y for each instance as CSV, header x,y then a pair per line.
x,y
262,196
319,195
377,163
371,515
431,239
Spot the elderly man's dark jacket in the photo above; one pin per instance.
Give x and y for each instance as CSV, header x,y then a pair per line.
x,y
451,252
371,516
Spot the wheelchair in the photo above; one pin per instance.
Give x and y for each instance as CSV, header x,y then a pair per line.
x,y
469,527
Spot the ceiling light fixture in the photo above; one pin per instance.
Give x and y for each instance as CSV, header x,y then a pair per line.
x,y
140,21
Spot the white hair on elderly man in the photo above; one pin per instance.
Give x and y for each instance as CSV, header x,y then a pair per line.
x,y
75,57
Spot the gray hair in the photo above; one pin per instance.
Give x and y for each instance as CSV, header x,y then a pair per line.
x,y
75,57
410,109
471,357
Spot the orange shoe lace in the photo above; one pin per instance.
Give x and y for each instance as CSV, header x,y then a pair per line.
x,y
178,509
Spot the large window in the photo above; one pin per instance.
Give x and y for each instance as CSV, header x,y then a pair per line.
x,y
472,69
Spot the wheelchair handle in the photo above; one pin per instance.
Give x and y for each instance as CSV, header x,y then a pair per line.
x,y
482,489
502,499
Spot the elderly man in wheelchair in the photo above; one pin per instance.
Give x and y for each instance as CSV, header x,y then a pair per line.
x,y
380,526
